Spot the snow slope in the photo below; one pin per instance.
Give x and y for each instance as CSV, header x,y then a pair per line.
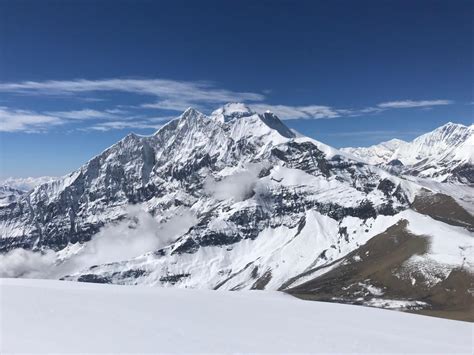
x,y
63,317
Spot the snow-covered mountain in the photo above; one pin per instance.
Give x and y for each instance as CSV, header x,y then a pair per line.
x,y
26,184
9,195
377,154
445,154
234,200
12,188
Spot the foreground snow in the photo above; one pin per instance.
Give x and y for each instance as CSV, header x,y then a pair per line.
x,y
60,317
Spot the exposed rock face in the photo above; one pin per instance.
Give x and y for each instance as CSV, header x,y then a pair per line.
x,y
233,201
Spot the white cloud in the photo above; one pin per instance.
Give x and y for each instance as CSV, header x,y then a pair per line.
x,y
136,235
299,112
26,263
412,103
86,114
111,125
371,110
12,120
116,111
171,94
171,105
286,112
237,186
139,233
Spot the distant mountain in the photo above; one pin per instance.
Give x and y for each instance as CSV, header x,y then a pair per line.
x,y
9,195
380,153
235,200
26,184
11,189
445,154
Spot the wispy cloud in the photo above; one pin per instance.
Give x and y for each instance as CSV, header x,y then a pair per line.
x,y
25,121
86,114
299,112
323,112
413,103
369,110
172,105
169,94
374,133
14,120
111,125
161,95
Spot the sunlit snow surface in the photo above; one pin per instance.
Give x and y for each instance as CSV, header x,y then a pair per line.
x,y
64,317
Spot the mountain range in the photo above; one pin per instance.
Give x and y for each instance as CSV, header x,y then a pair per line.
x,y
236,200
445,154
12,188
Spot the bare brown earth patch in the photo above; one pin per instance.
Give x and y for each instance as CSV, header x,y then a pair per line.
x,y
443,208
374,272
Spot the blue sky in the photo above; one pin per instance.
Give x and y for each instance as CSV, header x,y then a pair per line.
x,y
76,76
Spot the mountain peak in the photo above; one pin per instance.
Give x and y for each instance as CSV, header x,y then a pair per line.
x,y
451,133
451,124
395,140
452,127
190,112
234,111
231,111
